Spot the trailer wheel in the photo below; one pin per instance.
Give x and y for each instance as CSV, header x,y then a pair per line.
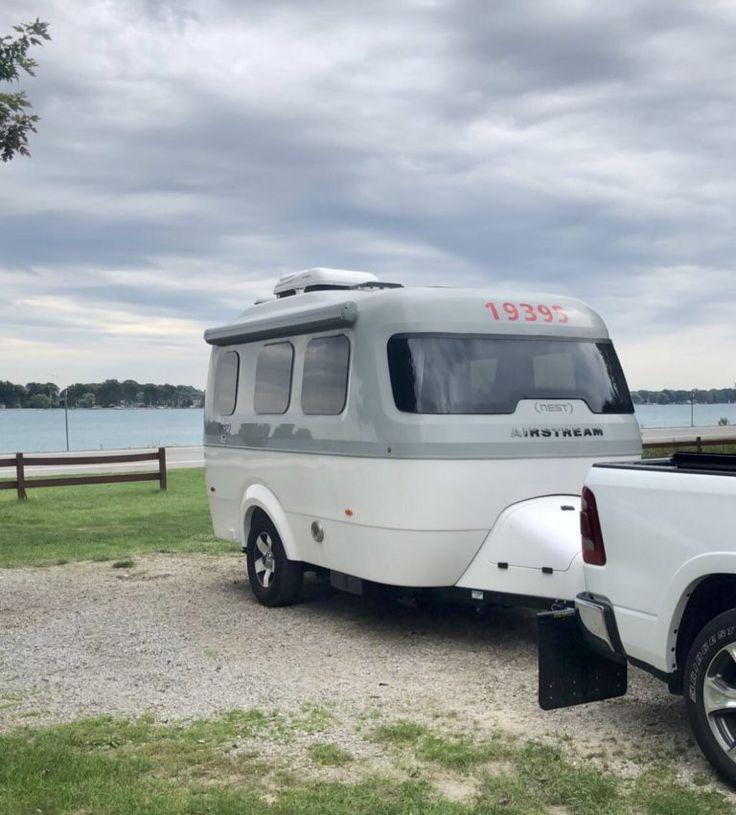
x,y
710,677
274,579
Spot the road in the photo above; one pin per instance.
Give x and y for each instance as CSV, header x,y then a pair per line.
x,y
666,434
180,457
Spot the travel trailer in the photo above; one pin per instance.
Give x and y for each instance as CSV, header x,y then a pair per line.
x,y
426,438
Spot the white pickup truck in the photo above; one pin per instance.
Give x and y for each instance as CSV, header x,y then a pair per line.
x,y
659,545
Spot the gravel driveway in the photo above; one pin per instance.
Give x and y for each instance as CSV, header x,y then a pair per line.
x,y
183,637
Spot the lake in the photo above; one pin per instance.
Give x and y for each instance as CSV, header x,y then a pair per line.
x,y
34,431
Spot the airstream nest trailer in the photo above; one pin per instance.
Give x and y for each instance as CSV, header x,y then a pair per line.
x,y
416,437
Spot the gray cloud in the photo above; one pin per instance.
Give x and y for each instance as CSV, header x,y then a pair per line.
x,y
186,159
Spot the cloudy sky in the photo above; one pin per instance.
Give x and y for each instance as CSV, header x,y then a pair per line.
x,y
190,153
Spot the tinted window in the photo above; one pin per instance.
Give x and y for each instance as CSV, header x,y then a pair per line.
x,y
325,384
273,378
456,374
226,382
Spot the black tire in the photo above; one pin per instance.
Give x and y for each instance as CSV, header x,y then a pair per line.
x,y
274,579
710,693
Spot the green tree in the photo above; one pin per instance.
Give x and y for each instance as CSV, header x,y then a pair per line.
x,y
15,121
40,400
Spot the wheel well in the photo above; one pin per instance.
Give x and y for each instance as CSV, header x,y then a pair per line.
x,y
711,597
250,516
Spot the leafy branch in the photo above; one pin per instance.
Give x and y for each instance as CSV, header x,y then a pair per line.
x,y
15,122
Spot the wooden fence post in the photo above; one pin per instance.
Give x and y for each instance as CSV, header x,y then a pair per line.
x,y
20,477
698,443
162,467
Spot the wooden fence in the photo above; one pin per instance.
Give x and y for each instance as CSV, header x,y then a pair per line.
x,y
22,483
698,443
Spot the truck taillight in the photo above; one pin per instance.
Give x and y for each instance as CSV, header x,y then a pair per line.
x,y
594,552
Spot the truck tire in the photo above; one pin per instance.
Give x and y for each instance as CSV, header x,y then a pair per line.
x,y
274,579
710,693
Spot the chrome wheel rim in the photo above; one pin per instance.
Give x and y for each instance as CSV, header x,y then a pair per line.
x,y
719,698
265,563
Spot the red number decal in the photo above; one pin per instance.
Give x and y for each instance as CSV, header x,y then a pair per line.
x,y
511,311
531,315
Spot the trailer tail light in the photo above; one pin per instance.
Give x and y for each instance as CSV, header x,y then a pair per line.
x,y
594,552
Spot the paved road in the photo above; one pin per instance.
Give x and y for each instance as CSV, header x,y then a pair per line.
x,y
179,457
665,434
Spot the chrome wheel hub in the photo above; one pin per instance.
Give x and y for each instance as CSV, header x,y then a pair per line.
x,y
719,698
265,563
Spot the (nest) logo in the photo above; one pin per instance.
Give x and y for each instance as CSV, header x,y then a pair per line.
x,y
553,407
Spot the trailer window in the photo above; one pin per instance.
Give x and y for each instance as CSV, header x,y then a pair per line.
x,y
469,374
273,378
325,382
227,370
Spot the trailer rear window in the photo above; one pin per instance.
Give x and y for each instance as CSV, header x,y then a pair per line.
x,y
449,374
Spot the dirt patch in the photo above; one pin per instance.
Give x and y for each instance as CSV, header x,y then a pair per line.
x,y
182,637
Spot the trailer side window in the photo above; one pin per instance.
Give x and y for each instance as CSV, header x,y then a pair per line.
x,y
325,383
273,378
227,372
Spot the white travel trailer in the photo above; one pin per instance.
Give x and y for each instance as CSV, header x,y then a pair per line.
x,y
415,437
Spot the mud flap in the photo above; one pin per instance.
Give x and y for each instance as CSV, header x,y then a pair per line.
x,y
570,671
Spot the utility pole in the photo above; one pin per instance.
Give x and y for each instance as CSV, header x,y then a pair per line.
x,y
692,408
66,416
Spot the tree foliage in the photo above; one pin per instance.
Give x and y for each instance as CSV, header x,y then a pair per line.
x,y
713,396
15,120
109,393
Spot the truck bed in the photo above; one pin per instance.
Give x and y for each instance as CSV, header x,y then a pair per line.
x,y
694,463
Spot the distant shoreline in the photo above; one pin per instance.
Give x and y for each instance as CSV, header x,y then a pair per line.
x,y
126,407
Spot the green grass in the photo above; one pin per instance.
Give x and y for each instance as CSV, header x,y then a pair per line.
x,y
239,763
329,755
107,522
455,752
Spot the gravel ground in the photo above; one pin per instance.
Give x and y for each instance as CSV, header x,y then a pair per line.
x,y
183,637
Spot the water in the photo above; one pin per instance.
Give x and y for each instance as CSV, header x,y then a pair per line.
x,y
679,415
33,431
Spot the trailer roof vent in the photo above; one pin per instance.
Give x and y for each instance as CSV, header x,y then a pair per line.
x,y
321,280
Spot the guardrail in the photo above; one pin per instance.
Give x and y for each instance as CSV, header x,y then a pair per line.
x,y
22,483
698,442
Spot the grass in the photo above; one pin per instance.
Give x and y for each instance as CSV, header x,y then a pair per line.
x,y
107,522
455,752
329,755
239,763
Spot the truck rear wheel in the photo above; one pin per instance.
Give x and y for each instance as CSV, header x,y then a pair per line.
x,y
274,579
710,693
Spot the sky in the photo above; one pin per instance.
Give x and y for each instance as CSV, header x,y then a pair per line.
x,y
190,153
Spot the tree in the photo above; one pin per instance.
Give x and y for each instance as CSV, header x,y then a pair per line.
x,y
15,122
40,400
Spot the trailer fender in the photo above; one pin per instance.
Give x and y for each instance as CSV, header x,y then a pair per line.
x,y
532,549
257,496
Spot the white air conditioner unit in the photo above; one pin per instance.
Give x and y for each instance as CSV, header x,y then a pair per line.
x,y
320,280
